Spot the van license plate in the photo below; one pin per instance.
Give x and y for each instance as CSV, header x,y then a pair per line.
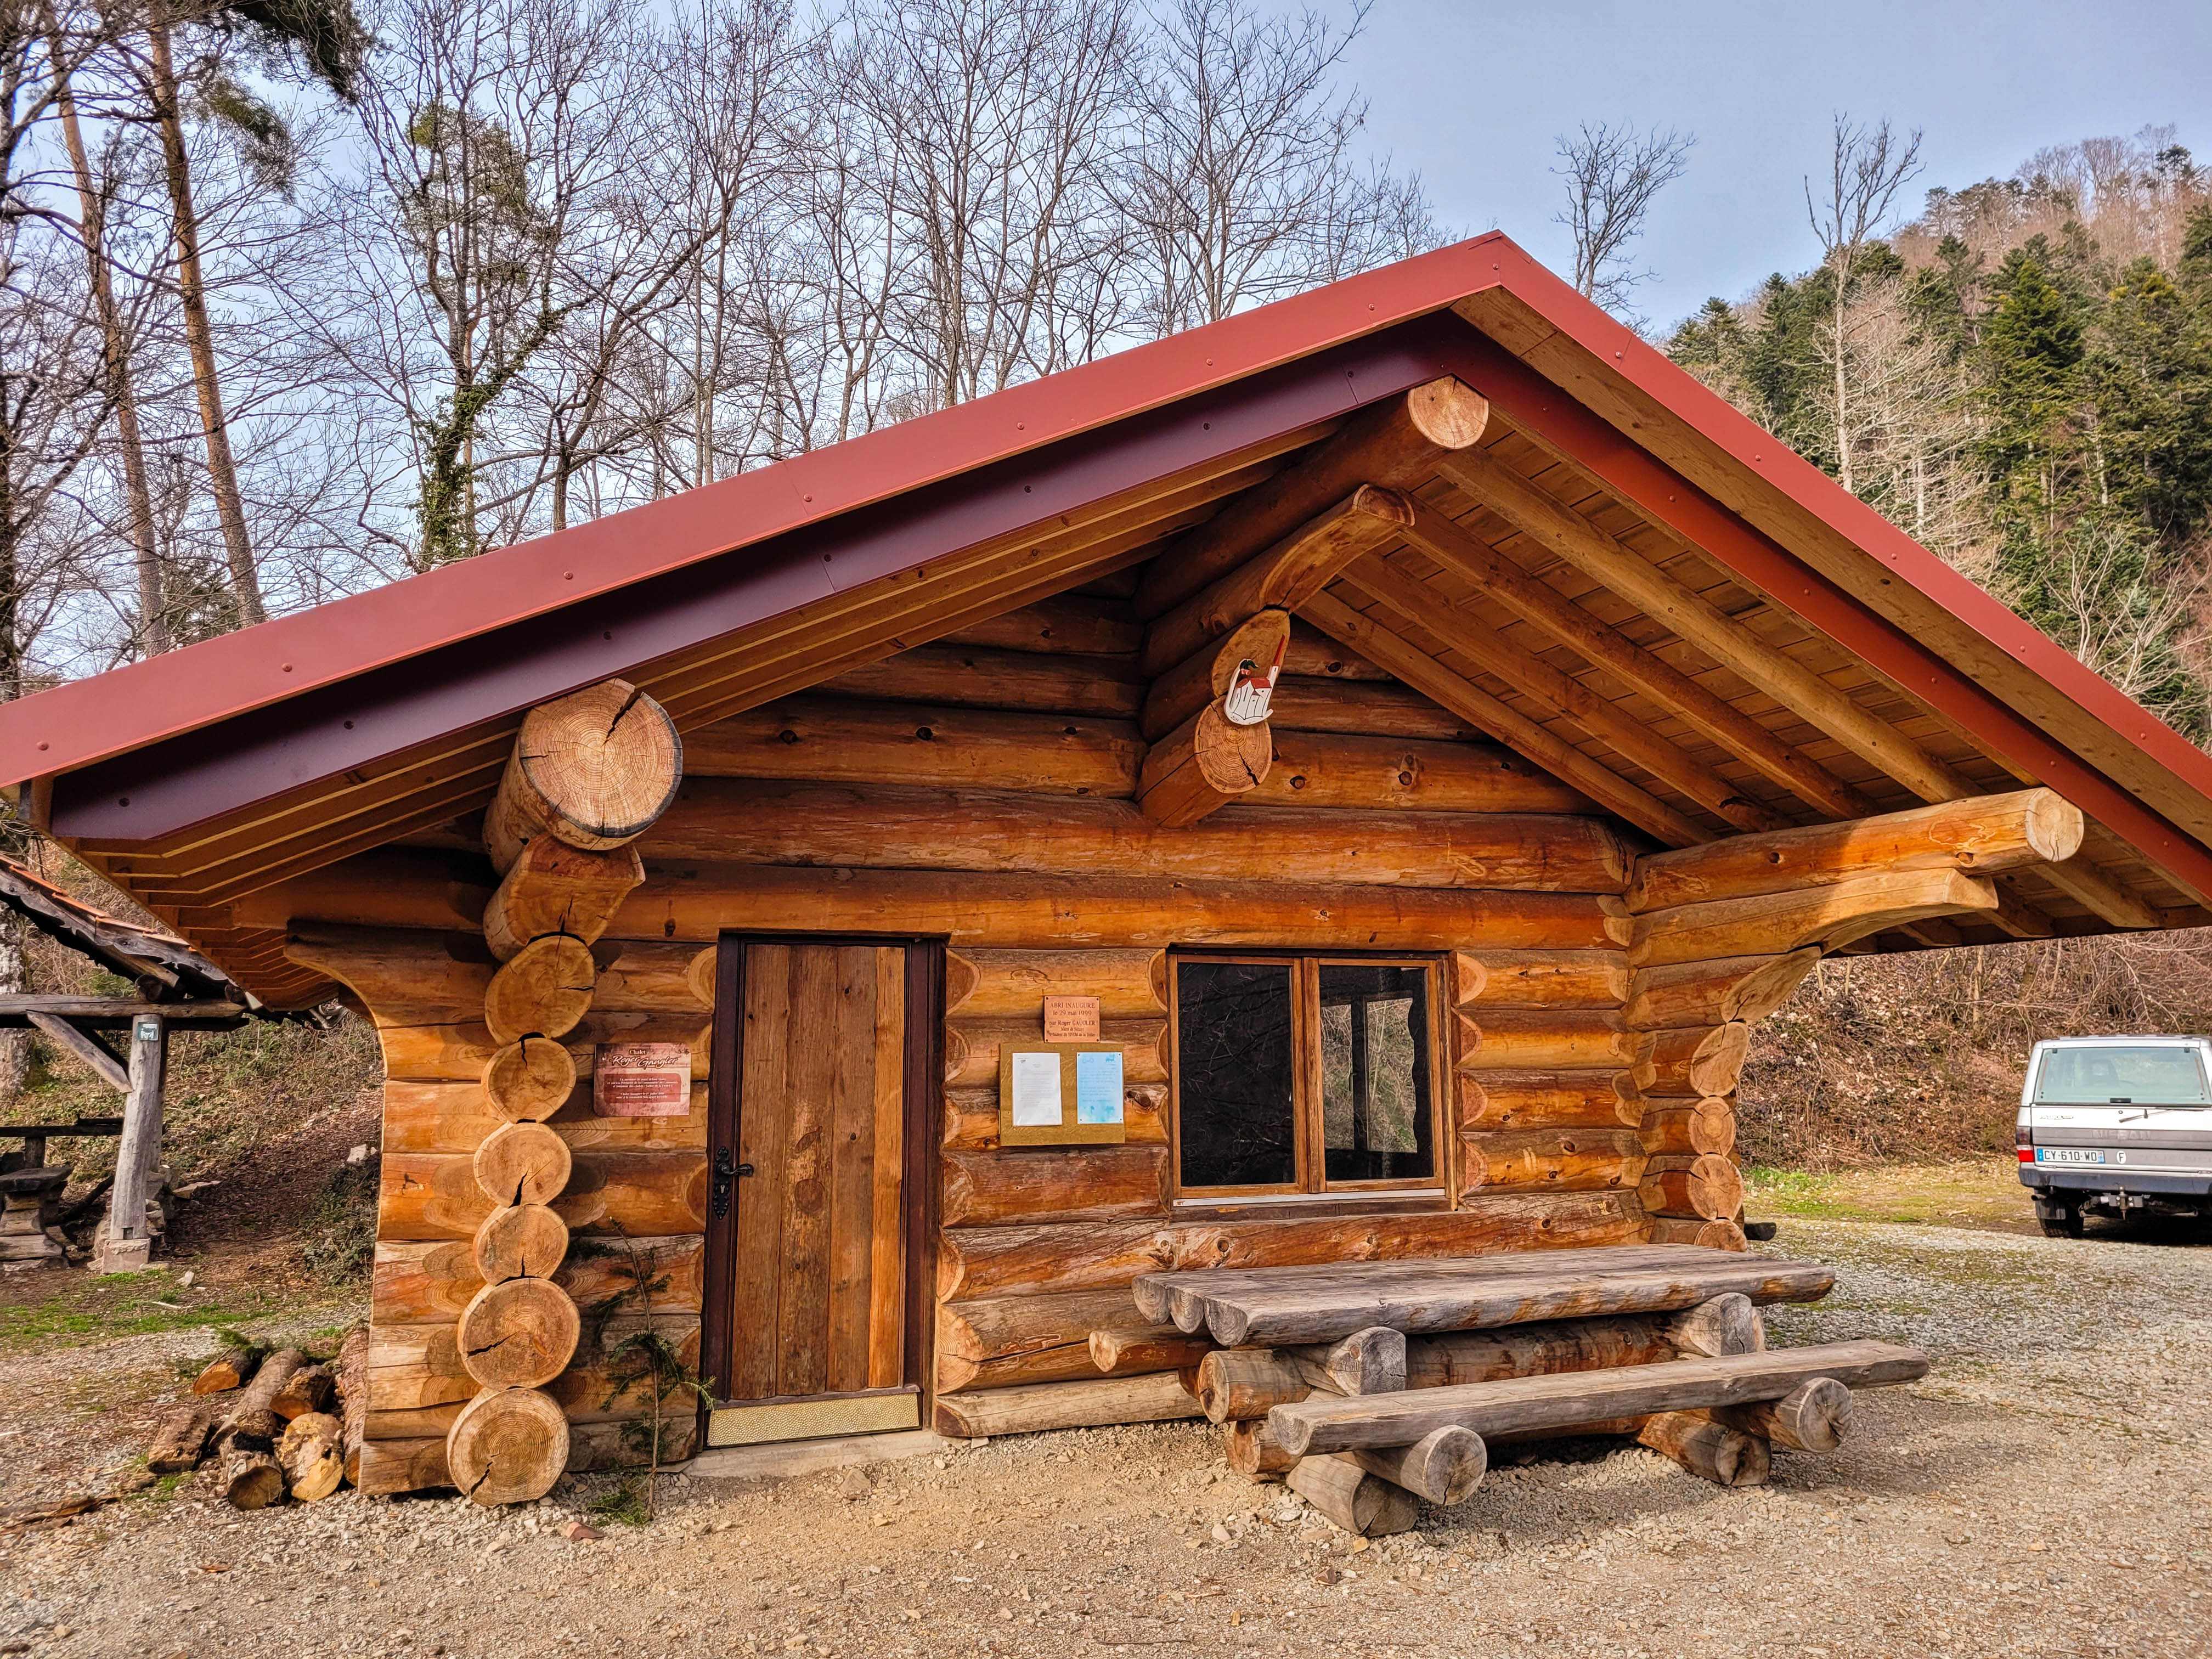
x,y
2066,1155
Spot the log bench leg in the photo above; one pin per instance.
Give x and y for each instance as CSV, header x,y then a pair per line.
x,y
1813,1417
1713,1451
1364,1504
1254,1453
1443,1467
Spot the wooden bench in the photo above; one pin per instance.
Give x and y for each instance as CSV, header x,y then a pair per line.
x,y
1274,1305
1370,1385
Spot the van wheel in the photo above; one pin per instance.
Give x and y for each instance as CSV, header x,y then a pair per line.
x,y
2060,1223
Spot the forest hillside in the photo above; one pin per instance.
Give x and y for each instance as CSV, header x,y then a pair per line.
x,y
2021,377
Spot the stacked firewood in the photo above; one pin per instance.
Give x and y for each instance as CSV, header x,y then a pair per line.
x,y
271,1423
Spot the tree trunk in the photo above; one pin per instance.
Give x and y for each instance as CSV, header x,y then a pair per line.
x,y
252,1479
15,1046
311,1455
180,1438
199,340
352,1368
153,617
252,1420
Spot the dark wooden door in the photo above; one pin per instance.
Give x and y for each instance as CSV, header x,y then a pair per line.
x,y
817,1280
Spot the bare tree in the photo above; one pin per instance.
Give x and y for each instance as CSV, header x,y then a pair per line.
x,y
996,124
325,36
117,338
1613,175
1868,168
1913,423
1240,181
711,97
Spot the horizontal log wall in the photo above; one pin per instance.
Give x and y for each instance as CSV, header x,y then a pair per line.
x,y
635,1202
980,789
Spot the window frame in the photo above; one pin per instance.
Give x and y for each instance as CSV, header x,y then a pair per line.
x,y
1308,1135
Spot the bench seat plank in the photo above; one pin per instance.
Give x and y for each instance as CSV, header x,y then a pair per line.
x,y
1321,1423
1274,1306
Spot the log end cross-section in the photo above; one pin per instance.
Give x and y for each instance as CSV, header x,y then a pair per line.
x,y
1204,765
507,1446
593,769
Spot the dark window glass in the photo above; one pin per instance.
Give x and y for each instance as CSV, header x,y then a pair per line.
x,y
1237,1074
1376,1122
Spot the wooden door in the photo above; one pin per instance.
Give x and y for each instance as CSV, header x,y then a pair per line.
x,y
817,1279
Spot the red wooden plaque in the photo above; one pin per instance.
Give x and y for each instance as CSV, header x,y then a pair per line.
x,y
641,1079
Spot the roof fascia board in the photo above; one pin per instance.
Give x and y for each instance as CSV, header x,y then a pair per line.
x,y
1549,413
77,723
166,787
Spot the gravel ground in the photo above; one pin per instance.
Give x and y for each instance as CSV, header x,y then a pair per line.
x,y
2043,1491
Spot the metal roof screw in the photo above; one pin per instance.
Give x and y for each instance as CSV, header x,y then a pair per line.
x,y
42,743
287,667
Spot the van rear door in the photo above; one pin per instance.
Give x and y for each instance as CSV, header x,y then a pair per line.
x,y
2122,1109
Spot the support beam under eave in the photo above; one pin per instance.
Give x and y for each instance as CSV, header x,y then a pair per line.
x,y
1982,835
1394,442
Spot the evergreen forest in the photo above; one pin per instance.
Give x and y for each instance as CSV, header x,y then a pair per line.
x,y
2021,377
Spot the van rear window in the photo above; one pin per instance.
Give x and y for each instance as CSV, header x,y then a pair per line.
x,y
2089,1077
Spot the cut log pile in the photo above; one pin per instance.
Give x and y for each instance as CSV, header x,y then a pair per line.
x,y
1373,1387
270,1425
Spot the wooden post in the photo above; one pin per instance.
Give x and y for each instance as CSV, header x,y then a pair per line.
x,y
126,1243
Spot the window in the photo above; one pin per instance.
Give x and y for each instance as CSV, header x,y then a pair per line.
x,y
1303,1074
2165,1074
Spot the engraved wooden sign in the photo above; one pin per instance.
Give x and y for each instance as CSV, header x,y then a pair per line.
x,y
1070,1020
641,1079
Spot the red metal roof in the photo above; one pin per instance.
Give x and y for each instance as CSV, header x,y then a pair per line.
x,y
1625,413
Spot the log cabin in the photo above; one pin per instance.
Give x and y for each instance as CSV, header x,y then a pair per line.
x,y
1337,785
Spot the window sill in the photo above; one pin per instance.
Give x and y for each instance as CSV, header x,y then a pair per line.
x,y
1400,1200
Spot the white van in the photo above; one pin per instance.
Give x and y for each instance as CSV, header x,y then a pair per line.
x,y
2117,1123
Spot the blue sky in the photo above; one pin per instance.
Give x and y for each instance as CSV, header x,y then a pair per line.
x,y
1471,93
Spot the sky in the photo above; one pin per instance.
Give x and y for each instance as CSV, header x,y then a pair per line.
x,y
1471,93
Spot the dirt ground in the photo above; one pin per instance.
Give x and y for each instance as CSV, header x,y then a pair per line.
x,y
2044,1491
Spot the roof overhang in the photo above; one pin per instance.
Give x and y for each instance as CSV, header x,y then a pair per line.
x,y
411,686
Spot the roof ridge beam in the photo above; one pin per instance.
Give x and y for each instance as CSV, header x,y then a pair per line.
x,y
1394,442
1281,578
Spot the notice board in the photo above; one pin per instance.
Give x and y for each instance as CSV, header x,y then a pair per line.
x,y
1060,1094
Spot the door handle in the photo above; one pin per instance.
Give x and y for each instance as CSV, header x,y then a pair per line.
x,y
727,1171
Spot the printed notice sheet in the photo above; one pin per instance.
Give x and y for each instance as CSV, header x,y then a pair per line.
x,y
1098,1087
1036,1092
